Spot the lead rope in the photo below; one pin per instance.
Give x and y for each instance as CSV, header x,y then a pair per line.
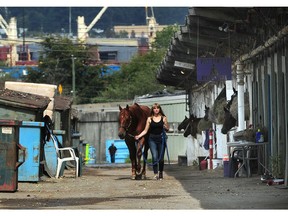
x,y
162,149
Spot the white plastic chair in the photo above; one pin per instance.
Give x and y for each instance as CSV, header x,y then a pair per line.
x,y
62,158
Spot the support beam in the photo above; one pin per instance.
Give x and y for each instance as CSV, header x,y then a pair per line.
x,y
240,82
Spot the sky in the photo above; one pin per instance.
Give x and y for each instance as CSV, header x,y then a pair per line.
x,y
135,3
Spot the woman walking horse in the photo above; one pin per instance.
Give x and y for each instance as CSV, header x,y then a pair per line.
x,y
132,120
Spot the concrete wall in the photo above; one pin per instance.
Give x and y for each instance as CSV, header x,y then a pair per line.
x,y
96,128
99,122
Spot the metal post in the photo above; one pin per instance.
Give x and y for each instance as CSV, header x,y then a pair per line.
x,y
240,82
73,79
211,148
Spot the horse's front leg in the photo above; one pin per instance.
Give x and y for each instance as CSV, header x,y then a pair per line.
x,y
132,156
133,167
139,155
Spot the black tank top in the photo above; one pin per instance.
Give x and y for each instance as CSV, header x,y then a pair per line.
x,y
156,128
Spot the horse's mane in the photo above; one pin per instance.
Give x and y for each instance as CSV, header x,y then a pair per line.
x,y
205,123
216,114
234,107
139,115
137,110
222,94
235,94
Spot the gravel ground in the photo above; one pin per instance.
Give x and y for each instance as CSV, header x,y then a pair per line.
x,y
109,187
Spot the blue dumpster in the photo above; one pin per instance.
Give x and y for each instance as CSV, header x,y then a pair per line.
x,y
30,138
122,152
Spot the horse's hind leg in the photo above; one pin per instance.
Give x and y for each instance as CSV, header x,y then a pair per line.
x,y
143,173
145,156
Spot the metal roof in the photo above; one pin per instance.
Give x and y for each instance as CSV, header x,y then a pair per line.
x,y
25,100
217,32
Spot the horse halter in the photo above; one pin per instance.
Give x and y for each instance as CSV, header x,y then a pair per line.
x,y
127,127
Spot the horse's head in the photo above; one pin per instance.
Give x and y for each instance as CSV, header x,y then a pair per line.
x,y
194,121
125,121
206,116
187,130
183,124
229,121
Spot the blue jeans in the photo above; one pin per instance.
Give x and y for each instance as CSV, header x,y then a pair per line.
x,y
157,148
112,158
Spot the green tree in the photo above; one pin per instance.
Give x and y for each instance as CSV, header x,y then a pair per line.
x,y
163,37
55,67
139,76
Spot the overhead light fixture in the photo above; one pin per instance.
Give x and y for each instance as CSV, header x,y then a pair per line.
x,y
224,27
182,72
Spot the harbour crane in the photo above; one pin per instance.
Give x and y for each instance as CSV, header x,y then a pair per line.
x,y
151,24
83,29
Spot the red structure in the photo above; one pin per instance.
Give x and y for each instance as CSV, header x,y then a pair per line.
x,y
4,51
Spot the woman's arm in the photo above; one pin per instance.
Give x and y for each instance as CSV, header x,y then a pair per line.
x,y
166,125
147,126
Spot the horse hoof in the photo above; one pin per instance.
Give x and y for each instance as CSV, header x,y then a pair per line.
x,y
133,177
138,177
144,177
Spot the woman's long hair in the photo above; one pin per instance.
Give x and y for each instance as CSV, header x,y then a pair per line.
x,y
158,106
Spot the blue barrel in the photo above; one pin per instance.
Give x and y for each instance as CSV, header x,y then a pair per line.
x,y
91,155
50,155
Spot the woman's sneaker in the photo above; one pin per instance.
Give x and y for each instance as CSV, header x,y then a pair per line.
x,y
155,177
160,176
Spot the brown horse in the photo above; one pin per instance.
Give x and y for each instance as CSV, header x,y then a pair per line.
x,y
132,121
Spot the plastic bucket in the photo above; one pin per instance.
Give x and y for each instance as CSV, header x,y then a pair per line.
x,y
226,167
216,163
200,159
92,155
203,165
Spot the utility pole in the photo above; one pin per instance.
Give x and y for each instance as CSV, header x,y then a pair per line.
x,y
70,29
73,78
